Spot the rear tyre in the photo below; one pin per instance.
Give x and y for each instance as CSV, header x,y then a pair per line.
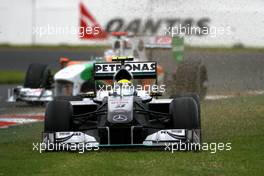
x,y
58,116
38,76
191,76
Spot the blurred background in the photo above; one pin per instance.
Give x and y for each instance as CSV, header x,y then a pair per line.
x,y
228,41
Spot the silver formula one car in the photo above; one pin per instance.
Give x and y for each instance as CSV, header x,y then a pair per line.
x,y
123,115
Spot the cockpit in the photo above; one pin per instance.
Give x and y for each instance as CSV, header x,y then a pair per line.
x,y
123,88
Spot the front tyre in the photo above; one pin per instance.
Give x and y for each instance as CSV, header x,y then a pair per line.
x,y
185,114
38,76
58,116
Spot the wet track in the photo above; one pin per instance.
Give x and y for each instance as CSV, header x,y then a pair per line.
x,y
227,71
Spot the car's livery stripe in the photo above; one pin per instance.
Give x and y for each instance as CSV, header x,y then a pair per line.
x,y
64,138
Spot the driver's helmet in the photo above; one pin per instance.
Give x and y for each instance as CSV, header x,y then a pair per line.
x,y
124,81
124,87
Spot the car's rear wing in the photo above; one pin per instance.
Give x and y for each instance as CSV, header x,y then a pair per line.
x,y
139,70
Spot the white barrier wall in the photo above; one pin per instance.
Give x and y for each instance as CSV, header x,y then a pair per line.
x,y
58,22
16,21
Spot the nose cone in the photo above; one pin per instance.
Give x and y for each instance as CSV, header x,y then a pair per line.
x,y
120,110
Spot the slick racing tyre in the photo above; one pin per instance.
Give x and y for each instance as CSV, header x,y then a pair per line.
x,y
38,76
184,113
58,116
192,95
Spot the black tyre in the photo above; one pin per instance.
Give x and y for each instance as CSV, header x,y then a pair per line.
x,y
58,116
68,98
184,113
38,76
191,95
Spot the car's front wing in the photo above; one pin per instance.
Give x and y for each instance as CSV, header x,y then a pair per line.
x,y
29,95
157,139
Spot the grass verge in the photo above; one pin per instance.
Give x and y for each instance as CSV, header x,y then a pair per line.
x,y
12,77
237,120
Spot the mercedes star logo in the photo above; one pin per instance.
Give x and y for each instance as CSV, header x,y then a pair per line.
x,y
120,118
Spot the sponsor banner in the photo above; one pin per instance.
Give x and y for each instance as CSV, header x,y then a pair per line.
x,y
89,27
133,67
207,23
202,25
139,70
18,119
127,21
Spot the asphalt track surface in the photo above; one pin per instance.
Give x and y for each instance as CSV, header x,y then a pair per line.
x,y
19,59
227,71
232,72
